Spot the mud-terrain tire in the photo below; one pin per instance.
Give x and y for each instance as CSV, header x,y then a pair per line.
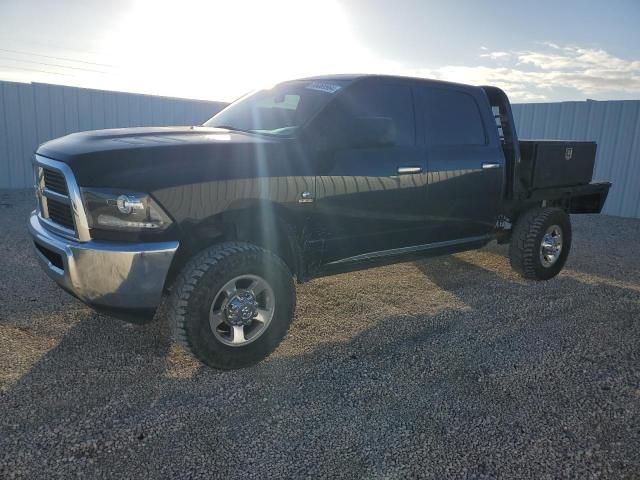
x,y
540,243
218,315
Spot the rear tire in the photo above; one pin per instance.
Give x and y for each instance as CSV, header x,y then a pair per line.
x,y
217,312
540,243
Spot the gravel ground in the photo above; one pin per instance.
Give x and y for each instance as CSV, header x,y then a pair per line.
x,y
448,367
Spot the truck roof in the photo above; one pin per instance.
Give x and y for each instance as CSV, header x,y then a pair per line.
x,y
357,76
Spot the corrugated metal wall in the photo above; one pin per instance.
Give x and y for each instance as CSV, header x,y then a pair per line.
x,y
31,114
614,125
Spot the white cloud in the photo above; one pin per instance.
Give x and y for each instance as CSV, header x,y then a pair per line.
x,y
553,72
497,55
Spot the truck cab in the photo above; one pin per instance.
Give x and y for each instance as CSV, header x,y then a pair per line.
x,y
431,176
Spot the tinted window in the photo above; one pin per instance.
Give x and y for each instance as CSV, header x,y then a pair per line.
x,y
367,99
451,117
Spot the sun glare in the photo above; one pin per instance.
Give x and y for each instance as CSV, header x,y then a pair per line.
x,y
220,50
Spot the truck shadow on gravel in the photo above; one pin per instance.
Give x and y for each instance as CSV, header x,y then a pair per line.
x,y
491,389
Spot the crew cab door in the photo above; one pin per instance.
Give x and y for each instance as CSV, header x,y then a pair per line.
x,y
465,162
370,195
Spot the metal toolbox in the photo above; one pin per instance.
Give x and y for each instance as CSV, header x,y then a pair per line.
x,y
556,163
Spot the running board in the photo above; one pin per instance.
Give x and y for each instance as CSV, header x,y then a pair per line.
x,y
412,249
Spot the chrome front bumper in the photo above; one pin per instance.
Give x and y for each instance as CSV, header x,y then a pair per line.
x,y
107,276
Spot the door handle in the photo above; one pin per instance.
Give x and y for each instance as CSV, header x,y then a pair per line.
x,y
409,170
486,166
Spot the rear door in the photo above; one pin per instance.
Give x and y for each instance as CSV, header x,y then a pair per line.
x,y
370,199
465,163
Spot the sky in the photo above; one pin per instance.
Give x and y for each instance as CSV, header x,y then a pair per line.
x,y
536,51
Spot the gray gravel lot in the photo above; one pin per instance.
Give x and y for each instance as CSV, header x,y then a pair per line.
x,y
449,367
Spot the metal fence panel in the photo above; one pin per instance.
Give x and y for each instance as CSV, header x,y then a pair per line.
x,y
15,157
614,125
31,114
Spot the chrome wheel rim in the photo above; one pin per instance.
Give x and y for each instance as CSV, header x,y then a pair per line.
x,y
242,310
551,246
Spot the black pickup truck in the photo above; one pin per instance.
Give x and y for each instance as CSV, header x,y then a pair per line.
x,y
308,178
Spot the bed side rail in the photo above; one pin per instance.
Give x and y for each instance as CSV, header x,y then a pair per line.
x,y
579,199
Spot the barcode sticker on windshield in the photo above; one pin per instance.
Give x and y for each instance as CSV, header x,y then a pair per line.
x,y
324,87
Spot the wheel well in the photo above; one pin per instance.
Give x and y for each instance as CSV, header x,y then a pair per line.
x,y
261,225
504,234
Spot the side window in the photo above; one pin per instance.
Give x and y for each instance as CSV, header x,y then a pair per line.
x,y
451,117
377,99
369,99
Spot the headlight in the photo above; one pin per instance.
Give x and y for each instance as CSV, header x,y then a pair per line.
x,y
115,210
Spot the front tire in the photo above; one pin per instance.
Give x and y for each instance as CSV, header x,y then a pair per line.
x,y
540,243
232,304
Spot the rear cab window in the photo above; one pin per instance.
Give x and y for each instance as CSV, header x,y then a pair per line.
x,y
450,117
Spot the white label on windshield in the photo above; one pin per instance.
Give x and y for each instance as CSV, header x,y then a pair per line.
x,y
324,87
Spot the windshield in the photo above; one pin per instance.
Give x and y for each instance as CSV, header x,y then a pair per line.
x,y
280,110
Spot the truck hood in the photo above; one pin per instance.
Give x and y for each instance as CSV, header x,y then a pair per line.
x,y
147,159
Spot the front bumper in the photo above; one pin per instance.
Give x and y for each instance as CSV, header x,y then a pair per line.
x,y
124,280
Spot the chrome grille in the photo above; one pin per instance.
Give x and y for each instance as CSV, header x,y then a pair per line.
x,y
59,204
54,181
60,212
